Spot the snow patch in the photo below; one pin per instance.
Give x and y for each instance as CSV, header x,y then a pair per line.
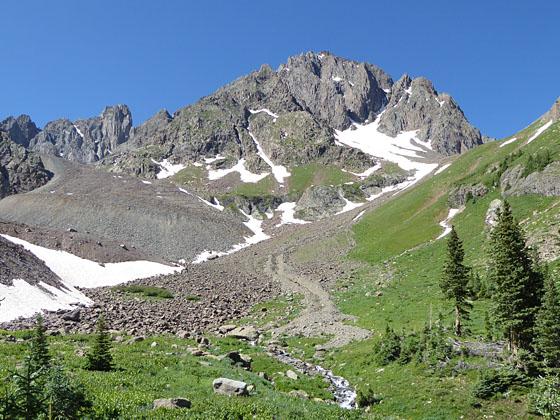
x,y
443,168
78,130
505,143
337,79
167,168
214,159
79,272
146,182
244,173
278,171
539,131
445,223
349,206
266,111
358,216
254,226
287,218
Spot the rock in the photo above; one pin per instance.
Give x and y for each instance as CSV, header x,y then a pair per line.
x,y
492,213
183,334
21,170
20,130
229,387
85,141
319,202
172,403
154,344
264,375
250,388
545,182
73,316
291,374
224,329
238,359
459,196
299,393
416,105
203,341
248,333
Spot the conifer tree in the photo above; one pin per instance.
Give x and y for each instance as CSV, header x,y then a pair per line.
x,y
39,348
100,358
517,284
455,280
547,328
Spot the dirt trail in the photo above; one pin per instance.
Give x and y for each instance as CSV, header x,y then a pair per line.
x,y
320,314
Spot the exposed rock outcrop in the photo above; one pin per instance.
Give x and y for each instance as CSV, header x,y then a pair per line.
x,y
85,141
20,130
545,182
460,195
20,170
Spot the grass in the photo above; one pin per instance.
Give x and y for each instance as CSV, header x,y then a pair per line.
x,y
168,370
304,176
190,175
146,291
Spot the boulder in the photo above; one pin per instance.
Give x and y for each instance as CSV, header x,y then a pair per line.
x,y
238,359
172,403
73,316
248,333
229,387
292,375
459,196
492,213
224,329
299,393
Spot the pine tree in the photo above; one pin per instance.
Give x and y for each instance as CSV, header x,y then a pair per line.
x,y
63,398
39,348
547,328
28,383
100,357
455,280
517,284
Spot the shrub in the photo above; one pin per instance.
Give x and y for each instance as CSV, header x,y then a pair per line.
x,y
492,382
545,397
366,397
388,348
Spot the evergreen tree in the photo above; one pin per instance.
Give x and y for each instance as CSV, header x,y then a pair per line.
x,y
547,340
63,399
39,348
455,280
100,358
28,385
517,284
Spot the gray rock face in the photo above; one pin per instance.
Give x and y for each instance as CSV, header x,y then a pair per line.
x,y
460,195
20,130
334,90
492,213
85,141
152,131
415,105
20,170
229,387
545,183
319,202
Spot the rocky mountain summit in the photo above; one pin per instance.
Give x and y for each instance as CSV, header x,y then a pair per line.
x,y
20,130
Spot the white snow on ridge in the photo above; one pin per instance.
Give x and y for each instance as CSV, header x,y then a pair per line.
x,y
79,272
445,223
337,79
214,159
253,224
505,143
443,168
78,130
167,169
146,182
539,131
279,171
349,206
266,111
287,218
244,173
364,174
400,149
22,299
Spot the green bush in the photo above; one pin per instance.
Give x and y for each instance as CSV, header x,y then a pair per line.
x,y
492,382
545,397
388,348
366,397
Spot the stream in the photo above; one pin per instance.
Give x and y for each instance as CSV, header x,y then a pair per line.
x,y
344,393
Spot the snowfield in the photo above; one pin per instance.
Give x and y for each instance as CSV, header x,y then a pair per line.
x,y
253,224
401,149
539,131
280,172
505,143
24,299
244,173
288,209
167,169
446,225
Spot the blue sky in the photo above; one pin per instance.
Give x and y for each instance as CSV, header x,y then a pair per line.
x,y
61,58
